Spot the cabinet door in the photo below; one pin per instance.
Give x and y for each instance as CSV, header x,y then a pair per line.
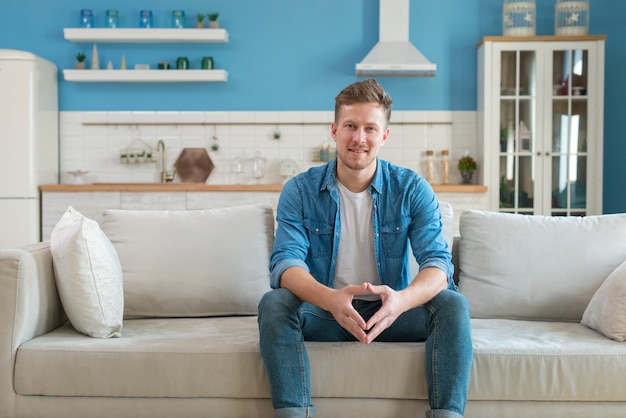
x,y
518,124
540,108
568,156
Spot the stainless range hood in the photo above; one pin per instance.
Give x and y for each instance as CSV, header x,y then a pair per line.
x,y
394,54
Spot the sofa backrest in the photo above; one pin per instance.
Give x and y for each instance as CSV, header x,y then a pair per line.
x,y
536,267
190,263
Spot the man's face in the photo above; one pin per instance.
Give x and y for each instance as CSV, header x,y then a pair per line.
x,y
359,133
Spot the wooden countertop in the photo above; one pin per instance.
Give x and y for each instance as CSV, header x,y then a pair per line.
x,y
160,187
196,187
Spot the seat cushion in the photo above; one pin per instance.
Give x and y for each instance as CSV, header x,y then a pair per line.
x,y
219,357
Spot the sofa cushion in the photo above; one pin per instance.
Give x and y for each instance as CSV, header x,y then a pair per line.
x,y
536,267
88,275
219,357
606,312
192,263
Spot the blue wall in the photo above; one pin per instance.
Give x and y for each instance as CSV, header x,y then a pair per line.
x,y
296,55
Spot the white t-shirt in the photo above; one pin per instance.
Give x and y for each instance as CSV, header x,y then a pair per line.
x,y
356,263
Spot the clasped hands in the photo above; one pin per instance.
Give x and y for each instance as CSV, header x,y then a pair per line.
x,y
340,306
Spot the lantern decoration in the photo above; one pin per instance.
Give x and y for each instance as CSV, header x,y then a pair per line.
x,y
571,17
519,18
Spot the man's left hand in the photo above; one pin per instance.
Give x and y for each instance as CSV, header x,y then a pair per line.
x,y
392,307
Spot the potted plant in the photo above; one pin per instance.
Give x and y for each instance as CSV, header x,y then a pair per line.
x,y
80,61
467,165
200,20
213,22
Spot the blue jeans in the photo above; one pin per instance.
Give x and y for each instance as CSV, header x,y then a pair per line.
x,y
285,322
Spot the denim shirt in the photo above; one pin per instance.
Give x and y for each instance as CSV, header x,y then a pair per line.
x,y
405,210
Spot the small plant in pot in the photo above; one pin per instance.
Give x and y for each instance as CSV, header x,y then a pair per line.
x,y
213,22
200,20
80,61
467,165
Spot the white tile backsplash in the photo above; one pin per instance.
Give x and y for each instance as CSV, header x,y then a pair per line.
x,y
93,140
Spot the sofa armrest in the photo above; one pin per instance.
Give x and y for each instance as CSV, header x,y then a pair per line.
x,y
29,307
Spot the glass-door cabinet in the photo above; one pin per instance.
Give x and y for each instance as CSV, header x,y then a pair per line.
x,y
540,112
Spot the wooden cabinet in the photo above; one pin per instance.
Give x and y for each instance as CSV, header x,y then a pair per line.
x,y
540,123
142,35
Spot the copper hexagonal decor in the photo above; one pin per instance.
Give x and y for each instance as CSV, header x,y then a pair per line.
x,y
193,165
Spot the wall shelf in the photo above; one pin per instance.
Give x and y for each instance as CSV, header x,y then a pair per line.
x,y
152,35
145,76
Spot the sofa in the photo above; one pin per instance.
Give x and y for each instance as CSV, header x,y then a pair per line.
x,y
181,338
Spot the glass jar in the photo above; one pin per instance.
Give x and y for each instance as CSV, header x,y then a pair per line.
x,y
178,19
430,166
86,18
182,63
145,19
519,18
112,18
207,64
445,166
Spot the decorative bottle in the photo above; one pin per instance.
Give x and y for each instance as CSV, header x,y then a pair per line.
x,y
430,166
445,166
95,61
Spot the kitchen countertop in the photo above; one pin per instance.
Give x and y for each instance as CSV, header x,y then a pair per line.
x,y
199,187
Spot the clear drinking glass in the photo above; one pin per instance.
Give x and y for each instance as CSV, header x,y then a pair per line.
x,y
259,165
236,167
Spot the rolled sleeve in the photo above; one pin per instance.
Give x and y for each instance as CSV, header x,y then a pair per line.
x,y
280,268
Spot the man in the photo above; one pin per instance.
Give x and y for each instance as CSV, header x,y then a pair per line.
x,y
340,268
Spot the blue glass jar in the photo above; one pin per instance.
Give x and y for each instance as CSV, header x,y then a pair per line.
x,y
145,19
86,18
178,19
112,18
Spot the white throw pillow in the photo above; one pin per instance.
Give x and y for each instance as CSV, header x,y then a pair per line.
x,y
606,313
88,276
193,263
536,267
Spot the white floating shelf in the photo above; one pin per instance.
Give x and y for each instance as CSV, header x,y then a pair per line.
x,y
160,35
145,76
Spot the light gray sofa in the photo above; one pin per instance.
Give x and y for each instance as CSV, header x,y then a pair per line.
x,y
527,280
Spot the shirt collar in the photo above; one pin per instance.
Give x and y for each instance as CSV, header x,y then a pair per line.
x,y
330,180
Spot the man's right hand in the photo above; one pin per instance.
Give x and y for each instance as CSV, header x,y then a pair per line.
x,y
339,304
336,301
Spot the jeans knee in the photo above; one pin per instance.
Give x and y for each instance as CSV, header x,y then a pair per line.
x,y
276,304
452,304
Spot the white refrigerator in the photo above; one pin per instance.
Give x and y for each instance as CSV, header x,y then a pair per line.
x,y
29,143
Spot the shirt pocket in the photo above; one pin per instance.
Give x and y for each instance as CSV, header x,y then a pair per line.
x,y
394,236
320,238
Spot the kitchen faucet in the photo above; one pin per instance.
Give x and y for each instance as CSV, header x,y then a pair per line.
x,y
165,176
